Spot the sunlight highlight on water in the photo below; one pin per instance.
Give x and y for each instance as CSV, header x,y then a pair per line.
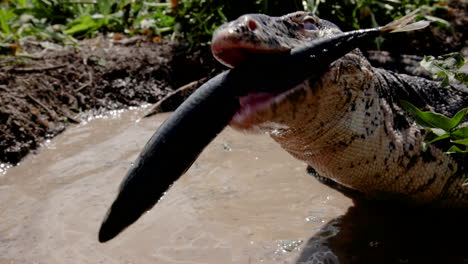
x,y
4,168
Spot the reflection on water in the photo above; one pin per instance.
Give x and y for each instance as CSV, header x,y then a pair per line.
x,y
4,168
243,201
384,233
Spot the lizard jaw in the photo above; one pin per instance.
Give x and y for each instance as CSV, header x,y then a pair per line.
x,y
255,113
233,55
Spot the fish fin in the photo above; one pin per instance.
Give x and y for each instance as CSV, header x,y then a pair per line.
x,y
413,26
401,25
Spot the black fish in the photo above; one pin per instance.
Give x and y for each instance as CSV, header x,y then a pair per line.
x,y
182,137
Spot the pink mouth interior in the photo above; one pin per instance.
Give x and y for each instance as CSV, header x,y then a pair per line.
x,y
233,57
256,98
253,102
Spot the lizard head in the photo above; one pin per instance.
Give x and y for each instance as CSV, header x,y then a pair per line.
x,y
312,101
234,41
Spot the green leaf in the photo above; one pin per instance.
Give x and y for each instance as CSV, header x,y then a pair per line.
x,y
438,132
445,82
455,149
429,119
444,136
459,116
451,61
461,133
105,6
461,141
81,26
462,77
5,15
446,66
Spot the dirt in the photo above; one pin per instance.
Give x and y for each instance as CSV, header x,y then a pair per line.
x,y
41,95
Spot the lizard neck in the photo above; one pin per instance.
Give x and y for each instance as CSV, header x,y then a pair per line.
x,y
373,148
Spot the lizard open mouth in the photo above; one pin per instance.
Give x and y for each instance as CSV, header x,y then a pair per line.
x,y
230,57
233,54
256,101
256,108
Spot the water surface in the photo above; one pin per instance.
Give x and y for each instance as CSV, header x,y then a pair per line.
x,y
243,201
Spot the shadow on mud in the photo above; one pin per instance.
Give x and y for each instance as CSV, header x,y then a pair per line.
x,y
376,233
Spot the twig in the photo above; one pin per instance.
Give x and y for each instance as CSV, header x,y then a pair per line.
x,y
129,41
28,56
86,84
38,69
70,118
51,113
172,100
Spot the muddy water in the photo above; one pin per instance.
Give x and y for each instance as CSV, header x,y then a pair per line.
x,y
243,201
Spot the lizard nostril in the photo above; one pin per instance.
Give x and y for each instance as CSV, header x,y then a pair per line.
x,y
252,25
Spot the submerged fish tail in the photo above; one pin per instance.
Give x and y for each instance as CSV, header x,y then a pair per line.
x,y
403,24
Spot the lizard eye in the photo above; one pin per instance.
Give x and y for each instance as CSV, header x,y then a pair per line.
x,y
309,24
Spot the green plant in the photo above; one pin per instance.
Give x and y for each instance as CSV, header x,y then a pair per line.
x,y
52,12
447,67
59,20
7,17
440,127
154,17
197,20
20,19
192,20
355,14
104,16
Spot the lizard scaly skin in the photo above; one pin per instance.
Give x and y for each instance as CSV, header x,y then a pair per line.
x,y
348,125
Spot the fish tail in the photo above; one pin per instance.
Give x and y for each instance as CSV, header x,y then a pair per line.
x,y
403,24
